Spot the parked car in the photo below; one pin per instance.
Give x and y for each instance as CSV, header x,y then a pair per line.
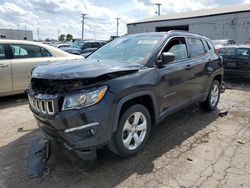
x,y
114,96
64,46
218,44
236,60
81,47
17,58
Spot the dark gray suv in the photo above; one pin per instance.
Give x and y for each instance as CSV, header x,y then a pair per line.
x,y
115,95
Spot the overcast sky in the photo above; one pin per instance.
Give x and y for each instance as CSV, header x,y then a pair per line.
x,y
51,16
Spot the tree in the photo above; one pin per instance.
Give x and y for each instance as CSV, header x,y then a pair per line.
x,y
69,37
61,38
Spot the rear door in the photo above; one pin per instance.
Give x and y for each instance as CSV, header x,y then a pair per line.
x,y
200,55
5,70
24,58
176,77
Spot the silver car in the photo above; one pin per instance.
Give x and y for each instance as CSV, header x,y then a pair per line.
x,y
17,58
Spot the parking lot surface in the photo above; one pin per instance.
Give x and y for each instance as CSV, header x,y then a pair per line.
x,y
191,148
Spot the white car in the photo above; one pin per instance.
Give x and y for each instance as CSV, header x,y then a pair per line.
x,y
18,57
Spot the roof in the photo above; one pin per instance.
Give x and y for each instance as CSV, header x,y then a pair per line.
x,y
54,51
198,13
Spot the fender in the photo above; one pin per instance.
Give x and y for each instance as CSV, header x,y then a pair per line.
x,y
130,97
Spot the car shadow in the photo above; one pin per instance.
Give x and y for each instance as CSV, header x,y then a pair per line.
x,y
110,170
12,101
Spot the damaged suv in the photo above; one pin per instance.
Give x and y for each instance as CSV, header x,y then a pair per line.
x,y
114,96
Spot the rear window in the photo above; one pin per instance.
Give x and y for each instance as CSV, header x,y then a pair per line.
x,y
45,52
196,47
239,52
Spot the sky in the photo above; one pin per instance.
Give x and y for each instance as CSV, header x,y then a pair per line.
x,y
53,17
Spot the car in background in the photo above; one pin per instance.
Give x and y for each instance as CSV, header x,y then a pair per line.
x,y
63,46
18,58
81,47
236,60
218,44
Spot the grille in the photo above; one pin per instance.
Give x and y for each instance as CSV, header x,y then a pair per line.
x,y
42,106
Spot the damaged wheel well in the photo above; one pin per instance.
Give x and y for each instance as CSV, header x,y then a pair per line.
x,y
144,100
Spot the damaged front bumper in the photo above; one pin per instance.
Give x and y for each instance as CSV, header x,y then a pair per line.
x,y
80,132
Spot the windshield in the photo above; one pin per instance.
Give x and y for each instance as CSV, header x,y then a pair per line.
x,y
129,49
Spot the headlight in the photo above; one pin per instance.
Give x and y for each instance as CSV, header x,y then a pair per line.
x,y
85,98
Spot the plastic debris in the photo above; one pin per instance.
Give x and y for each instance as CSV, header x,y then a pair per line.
x,y
38,155
241,142
223,113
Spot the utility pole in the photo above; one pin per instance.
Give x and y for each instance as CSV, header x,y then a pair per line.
x,y
159,8
58,33
25,37
83,16
38,34
117,26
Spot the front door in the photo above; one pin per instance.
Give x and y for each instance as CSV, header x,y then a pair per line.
x,y
176,77
5,71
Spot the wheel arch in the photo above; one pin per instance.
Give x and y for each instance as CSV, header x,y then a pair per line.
x,y
136,98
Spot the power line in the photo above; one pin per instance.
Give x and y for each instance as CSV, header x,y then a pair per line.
x,y
83,16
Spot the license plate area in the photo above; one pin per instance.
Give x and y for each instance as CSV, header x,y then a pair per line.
x,y
231,64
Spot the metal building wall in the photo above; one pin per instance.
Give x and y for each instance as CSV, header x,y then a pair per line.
x,y
234,26
16,34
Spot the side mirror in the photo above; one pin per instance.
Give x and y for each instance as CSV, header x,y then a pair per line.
x,y
166,57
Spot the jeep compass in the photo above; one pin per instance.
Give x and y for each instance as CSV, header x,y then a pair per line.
x,y
114,96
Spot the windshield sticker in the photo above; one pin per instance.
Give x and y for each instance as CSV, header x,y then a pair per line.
x,y
147,42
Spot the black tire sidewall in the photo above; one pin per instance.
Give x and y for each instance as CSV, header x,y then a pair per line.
x,y
122,150
211,107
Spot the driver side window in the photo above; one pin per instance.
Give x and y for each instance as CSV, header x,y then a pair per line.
x,y
178,47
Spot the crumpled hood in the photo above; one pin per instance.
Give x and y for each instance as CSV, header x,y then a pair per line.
x,y
84,68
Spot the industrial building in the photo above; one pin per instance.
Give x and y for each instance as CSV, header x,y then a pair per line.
x,y
228,22
16,34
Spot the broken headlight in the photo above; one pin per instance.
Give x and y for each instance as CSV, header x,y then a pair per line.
x,y
85,98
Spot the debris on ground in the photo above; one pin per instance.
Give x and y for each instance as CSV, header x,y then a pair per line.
x,y
38,155
189,159
20,129
223,113
241,142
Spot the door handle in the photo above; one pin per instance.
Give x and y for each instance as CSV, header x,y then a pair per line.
x,y
3,65
188,67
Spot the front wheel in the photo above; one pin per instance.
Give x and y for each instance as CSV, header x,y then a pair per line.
x,y
133,131
213,97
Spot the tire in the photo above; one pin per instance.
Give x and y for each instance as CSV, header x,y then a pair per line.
x,y
132,132
213,98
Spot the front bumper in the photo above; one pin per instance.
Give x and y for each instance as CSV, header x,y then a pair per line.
x,y
80,131
236,73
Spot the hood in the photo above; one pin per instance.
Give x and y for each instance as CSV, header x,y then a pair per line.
x,y
85,68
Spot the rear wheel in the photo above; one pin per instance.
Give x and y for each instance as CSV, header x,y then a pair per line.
x,y
213,97
133,131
